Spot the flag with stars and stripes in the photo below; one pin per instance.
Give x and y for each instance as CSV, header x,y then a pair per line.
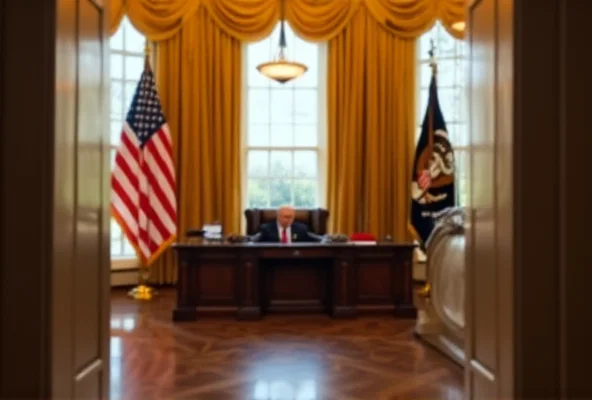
x,y
143,188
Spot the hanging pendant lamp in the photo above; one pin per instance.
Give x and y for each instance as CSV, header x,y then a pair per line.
x,y
459,26
281,70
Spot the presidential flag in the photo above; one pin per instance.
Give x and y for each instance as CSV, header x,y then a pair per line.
x,y
143,188
432,182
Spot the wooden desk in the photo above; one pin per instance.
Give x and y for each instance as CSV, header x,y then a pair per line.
x,y
251,279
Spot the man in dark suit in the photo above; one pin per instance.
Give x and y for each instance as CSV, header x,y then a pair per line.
x,y
285,230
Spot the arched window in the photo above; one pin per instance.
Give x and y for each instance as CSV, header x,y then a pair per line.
x,y
284,127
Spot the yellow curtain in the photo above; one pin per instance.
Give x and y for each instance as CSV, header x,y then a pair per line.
x,y
199,80
371,128
317,20
370,100
116,13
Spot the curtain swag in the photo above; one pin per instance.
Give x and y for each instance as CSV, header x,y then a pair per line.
x,y
314,20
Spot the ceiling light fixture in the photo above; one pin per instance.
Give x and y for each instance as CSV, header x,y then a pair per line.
x,y
459,26
281,70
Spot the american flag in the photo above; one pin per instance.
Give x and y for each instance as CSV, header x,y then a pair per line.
x,y
143,189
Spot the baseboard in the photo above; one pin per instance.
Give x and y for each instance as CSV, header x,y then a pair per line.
x,y
444,346
124,277
127,287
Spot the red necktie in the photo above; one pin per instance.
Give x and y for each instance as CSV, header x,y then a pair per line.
x,y
284,236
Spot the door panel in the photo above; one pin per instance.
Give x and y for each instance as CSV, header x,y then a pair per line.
x,y
54,212
505,198
489,266
62,370
81,281
483,189
88,207
539,125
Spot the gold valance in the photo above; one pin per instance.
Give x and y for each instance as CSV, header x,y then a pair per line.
x,y
316,20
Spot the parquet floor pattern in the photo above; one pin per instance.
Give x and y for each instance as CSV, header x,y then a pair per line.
x,y
278,358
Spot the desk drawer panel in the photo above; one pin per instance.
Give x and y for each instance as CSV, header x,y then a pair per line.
x,y
216,283
288,252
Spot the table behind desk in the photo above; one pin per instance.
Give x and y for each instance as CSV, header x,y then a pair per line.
x,y
251,279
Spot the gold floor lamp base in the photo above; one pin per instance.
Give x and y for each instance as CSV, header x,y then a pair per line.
x,y
425,291
142,292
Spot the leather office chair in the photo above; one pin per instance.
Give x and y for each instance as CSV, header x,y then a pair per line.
x,y
314,218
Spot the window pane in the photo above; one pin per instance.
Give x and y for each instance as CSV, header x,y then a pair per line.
x,y
116,127
134,66
113,153
116,239
258,135
116,41
130,90
134,40
116,100
449,104
423,104
462,105
116,232
446,45
306,109
458,134
258,106
282,136
115,249
305,193
282,106
460,71
305,164
305,135
425,75
258,163
308,54
446,74
258,193
280,192
461,177
116,67
280,163
128,250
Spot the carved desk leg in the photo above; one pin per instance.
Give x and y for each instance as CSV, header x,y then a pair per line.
x,y
404,307
343,289
249,304
186,300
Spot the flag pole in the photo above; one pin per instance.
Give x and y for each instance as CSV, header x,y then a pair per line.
x,y
426,290
143,291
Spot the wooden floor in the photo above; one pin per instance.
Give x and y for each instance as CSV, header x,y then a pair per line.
x,y
278,358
